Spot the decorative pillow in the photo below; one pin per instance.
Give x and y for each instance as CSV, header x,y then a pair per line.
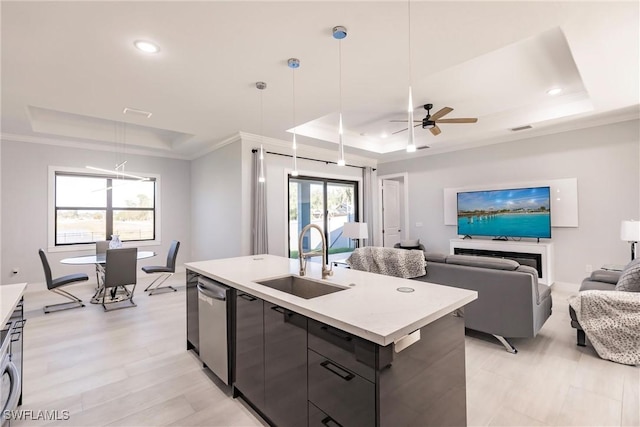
x,y
483,262
630,278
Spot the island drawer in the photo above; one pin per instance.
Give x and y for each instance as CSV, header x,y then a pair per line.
x,y
347,398
317,418
350,351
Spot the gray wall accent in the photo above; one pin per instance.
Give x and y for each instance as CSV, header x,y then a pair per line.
x,y
24,178
217,204
604,159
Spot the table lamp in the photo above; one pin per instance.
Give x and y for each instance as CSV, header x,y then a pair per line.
x,y
630,232
355,231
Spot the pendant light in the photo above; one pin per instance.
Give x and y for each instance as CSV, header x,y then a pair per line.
x,y
411,145
261,86
294,63
339,33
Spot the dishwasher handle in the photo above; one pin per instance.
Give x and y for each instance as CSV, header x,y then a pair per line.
x,y
212,290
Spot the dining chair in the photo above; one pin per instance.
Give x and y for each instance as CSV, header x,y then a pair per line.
x,y
120,271
165,271
101,251
54,286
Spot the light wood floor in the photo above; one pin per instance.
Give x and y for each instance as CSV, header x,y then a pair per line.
x,y
130,368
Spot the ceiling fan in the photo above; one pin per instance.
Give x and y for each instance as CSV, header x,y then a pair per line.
x,y
432,121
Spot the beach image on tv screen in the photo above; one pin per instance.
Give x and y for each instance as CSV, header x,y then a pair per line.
x,y
523,212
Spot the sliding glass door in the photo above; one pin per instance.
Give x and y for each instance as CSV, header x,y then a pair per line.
x,y
326,203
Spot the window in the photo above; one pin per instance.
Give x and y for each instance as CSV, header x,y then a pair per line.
x,y
328,203
89,208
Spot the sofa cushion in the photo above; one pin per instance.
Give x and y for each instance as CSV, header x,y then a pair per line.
x,y
410,243
606,276
527,269
594,285
483,262
435,257
630,278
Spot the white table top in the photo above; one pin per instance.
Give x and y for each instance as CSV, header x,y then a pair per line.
x,y
99,259
372,309
9,298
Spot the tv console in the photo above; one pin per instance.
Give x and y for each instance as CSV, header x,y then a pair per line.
x,y
536,255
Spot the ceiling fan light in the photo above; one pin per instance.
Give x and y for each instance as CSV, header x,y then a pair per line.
x,y
554,91
411,148
341,162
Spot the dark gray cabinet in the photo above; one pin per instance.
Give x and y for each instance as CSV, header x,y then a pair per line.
x,y
249,364
296,371
285,357
193,334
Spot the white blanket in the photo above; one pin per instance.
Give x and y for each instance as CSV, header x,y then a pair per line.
x,y
389,261
611,321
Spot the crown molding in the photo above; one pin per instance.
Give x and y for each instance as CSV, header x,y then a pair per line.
x,y
304,150
88,145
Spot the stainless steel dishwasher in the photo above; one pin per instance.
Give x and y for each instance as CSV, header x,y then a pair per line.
x,y
213,321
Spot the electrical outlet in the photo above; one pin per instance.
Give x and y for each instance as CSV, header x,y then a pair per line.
x,y
589,268
15,270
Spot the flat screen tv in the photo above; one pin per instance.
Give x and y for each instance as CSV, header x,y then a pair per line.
x,y
517,212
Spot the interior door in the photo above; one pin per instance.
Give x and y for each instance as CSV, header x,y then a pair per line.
x,y
391,228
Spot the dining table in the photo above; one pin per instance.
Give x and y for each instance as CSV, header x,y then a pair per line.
x,y
99,260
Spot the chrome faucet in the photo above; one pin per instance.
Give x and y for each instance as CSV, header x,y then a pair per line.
x,y
302,256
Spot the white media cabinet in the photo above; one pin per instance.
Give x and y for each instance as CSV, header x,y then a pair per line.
x,y
541,253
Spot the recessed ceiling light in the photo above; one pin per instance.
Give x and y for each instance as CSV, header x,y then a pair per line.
x,y
554,91
146,46
383,135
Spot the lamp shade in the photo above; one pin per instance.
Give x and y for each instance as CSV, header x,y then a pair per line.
x,y
629,231
355,230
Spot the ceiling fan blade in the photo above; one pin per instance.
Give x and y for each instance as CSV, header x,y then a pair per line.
x,y
422,147
441,112
435,130
398,131
460,120
405,121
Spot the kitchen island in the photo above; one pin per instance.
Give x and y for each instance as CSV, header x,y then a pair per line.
x,y
383,351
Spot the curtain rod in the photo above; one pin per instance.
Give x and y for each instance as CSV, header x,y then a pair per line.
x,y
255,150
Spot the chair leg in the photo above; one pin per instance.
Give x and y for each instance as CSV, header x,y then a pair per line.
x,y
158,289
581,338
74,303
129,295
507,345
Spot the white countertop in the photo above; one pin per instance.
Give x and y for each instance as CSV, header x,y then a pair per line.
x,y
373,309
9,298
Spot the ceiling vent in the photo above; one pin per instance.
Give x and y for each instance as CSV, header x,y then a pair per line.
x,y
135,112
521,128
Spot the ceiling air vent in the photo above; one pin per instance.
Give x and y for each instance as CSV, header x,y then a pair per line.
x,y
521,128
136,112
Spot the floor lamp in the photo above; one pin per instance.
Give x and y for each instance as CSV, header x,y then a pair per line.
x,y
355,231
630,232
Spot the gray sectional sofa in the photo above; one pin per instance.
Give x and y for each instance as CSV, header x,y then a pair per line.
x,y
511,303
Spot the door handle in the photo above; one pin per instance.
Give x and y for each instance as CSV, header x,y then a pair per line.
x,y
336,370
247,297
335,333
330,422
278,309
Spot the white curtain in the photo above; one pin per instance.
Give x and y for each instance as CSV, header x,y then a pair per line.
x,y
259,238
368,198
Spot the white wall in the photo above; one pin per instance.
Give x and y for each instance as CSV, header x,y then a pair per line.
x,y
24,178
604,159
217,213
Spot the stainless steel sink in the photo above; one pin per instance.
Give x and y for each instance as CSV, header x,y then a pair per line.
x,y
300,286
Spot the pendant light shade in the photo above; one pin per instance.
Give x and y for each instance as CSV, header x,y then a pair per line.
x,y
294,63
261,86
340,33
411,144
